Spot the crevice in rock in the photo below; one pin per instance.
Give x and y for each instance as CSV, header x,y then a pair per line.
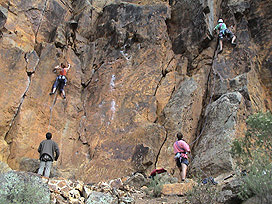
x,y
41,18
157,157
38,48
84,141
32,9
17,111
164,73
11,10
158,85
67,6
207,99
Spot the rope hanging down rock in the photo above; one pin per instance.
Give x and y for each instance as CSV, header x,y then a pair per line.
x,y
51,109
212,94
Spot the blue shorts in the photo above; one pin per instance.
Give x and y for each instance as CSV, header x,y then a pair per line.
x,y
60,82
181,160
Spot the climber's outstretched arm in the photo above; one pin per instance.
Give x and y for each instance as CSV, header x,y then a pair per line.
x,y
57,68
68,67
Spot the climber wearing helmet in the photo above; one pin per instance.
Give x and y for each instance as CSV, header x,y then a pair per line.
x,y
61,79
223,31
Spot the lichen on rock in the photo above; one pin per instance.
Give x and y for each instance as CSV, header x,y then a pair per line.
x,y
20,187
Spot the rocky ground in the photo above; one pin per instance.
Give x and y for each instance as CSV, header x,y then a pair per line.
x,y
141,71
134,189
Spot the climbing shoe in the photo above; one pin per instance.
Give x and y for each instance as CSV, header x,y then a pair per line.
x,y
220,51
51,93
233,44
64,97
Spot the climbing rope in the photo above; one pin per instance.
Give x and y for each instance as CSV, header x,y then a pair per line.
x,y
41,18
210,99
51,109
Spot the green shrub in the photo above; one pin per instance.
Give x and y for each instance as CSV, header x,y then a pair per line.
x,y
254,154
156,183
257,140
203,193
258,182
155,187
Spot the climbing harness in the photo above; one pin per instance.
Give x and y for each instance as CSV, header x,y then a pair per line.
x,y
180,148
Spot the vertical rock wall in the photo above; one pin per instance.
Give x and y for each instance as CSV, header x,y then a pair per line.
x,y
140,72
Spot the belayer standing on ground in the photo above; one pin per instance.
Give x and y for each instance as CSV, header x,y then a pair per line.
x,y
181,149
61,80
47,149
223,31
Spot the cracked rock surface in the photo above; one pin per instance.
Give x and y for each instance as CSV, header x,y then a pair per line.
x,y
140,72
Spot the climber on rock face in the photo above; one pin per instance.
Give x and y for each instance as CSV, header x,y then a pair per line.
x,y
61,79
181,149
223,32
47,148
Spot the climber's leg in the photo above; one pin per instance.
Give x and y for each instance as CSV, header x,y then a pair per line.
x,y
183,172
41,168
220,45
63,94
61,88
48,165
233,39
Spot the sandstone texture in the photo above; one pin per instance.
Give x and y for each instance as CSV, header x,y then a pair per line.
x,y
140,72
179,189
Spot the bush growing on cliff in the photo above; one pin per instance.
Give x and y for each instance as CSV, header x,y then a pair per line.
x,y
254,154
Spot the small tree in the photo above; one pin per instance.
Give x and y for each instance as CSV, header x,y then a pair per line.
x,y
254,154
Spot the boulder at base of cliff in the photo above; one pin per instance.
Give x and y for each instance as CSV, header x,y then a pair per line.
x,y
177,188
4,167
32,165
20,187
101,198
137,180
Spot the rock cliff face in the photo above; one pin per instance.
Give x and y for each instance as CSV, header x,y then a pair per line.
x,y
140,72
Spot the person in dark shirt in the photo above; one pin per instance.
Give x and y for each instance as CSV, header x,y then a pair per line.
x,y
47,149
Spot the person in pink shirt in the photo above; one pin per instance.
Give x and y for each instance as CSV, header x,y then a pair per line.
x,y
181,149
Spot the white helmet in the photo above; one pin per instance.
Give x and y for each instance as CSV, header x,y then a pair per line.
x,y
220,20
